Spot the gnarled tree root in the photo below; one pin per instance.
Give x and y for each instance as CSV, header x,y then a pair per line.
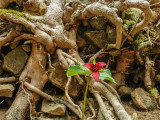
x,y
34,73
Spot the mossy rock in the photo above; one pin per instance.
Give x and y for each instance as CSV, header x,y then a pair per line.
x,y
132,14
99,38
111,35
128,25
97,23
139,39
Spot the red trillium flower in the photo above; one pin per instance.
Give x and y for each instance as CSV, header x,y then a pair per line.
x,y
95,68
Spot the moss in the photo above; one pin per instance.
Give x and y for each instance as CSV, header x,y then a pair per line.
x,y
13,12
132,14
139,39
128,25
154,92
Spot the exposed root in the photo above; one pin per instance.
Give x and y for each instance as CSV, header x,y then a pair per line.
x,y
93,111
111,89
102,106
69,99
96,9
8,79
148,67
120,111
49,97
144,6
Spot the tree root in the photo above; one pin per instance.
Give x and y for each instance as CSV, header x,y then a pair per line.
x,y
102,106
144,6
36,62
96,9
8,79
148,70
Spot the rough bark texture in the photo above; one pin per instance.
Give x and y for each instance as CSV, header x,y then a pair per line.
x,y
52,26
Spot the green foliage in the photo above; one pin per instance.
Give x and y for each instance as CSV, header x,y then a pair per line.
x,y
105,74
77,70
154,92
94,61
128,25
140,37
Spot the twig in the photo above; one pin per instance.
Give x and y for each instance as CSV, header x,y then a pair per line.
x,y
69,99
154,4
93,111
49,60
96,55
8,79
70,57
38,91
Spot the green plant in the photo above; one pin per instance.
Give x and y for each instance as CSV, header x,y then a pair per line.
x,y
94,69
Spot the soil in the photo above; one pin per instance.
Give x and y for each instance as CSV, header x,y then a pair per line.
x,y
141,115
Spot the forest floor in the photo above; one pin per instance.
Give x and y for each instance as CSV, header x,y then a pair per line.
x,y
141,115
130,108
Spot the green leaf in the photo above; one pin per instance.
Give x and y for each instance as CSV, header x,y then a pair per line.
x,y
77,70
94,61
106,74
106,70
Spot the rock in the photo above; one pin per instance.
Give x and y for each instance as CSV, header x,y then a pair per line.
x,y
14,45
58,77
111,35
99,38
132,14
97,23
6,90
52,108
142,99
15,60
124,90
80,41
157,78
26,48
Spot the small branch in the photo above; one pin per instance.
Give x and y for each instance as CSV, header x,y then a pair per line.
x,y
70,57
69,99
96,55
61,58
154,4
93,111
8,79
37,91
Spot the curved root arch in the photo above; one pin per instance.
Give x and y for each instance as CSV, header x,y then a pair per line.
x,y
98,9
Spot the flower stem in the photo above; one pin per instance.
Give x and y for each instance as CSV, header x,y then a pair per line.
x,y
85,96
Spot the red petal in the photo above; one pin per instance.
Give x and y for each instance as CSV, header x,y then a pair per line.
x,y
99,65
89,66
96,75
